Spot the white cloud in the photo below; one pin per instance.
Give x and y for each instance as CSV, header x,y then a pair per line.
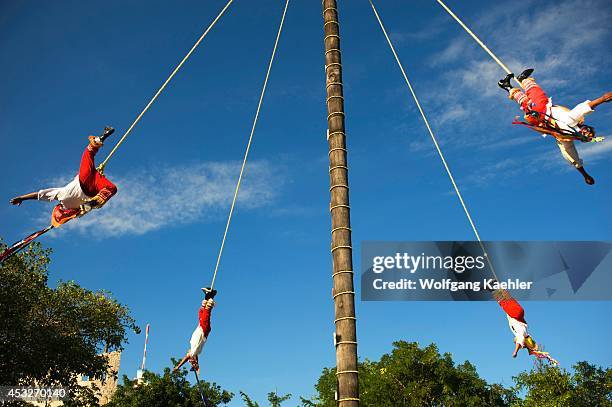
x,y
540,160
449,54
596,151
420,145
150,199
463,97
511,142
451,113
545,38
490,173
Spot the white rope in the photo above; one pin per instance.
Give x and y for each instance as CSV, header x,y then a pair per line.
x,y
435,141
161,89
478,41
248,147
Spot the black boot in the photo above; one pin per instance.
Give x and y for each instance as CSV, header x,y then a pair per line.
x,y
524,75
108,130
208,293
505,82
587,178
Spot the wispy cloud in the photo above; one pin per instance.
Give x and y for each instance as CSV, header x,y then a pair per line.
x,y
452,113
510,142
451,53
430,31
596,151
534,161
150,199
508,167
545,38
462,94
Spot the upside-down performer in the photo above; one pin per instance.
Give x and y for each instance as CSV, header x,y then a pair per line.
x,y
516,320
88,190
200,334
566,125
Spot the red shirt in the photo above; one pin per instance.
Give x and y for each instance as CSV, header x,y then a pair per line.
x,y
204,316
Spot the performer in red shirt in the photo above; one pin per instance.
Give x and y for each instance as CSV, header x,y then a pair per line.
x,y
200,334
566,125
516,320
88,190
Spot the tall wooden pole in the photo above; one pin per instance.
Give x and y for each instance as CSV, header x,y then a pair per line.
x,y
341,248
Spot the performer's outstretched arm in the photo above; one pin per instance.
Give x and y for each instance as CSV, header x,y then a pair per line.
x,y
606,97
19,199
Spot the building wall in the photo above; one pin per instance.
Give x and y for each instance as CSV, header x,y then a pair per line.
x,y
107,389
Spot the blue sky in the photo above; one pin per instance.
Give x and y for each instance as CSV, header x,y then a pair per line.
x,y
72,67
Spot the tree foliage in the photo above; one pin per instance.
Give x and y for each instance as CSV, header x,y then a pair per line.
x,y
274,399
52,336
587,386
247,400
167,390
414,376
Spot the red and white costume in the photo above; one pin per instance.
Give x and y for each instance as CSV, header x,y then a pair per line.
x,y
87,185
200,334
516,319
536,100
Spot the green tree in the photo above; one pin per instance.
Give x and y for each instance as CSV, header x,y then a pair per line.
x,y
414,376
167,390
274,399
248,401
548,386
52,336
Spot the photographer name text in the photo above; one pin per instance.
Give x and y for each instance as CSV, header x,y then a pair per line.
x,y
451,285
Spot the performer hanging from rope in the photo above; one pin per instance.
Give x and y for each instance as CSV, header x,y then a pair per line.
x,y
564,124
88,190
200,334
516,320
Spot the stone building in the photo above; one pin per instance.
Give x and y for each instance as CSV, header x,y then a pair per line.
x,y
106,388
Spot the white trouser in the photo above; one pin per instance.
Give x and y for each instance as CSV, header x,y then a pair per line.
x,y
569,152
197,342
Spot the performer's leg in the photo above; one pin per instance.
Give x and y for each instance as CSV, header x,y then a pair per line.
x,y
535,99
587,178
569,152
521,98
87,170
195,363
513,309
104,189
539,98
